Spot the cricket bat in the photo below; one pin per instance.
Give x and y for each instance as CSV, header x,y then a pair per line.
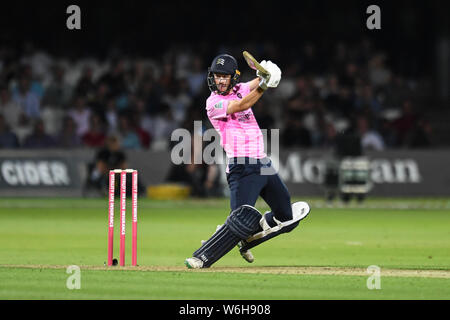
x,y
254,64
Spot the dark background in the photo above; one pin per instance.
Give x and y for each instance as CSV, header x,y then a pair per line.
x,y
409,28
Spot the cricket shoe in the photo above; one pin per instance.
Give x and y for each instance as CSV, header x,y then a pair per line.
x,y
193,263
300,210
247,255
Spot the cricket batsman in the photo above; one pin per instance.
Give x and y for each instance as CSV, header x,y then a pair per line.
x,y
249,170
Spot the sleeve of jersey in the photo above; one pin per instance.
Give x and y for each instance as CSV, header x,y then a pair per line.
x,y
217,109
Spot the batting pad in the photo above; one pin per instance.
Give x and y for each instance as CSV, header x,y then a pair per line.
x,y
240,224
299,211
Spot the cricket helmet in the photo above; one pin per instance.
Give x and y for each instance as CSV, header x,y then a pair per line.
x,y
223,64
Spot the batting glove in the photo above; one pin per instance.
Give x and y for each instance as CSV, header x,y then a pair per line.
x,y
259,74
263,83
275,74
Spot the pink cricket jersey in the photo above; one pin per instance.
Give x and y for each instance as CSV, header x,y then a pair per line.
x,y
240,135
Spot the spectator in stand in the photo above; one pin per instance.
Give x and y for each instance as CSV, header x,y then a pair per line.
x,y
68,137
81,114
167,77
197,77
178,99
330,94
110,116
101,98
10,110
14,116
95,136
404,125
58,92
85,86
8,140
145,122
345,103
115,79
136,75
151,92
26,71
311,64
312,118
338,98
28,101
339,58
366,100
39,139
295,134
379,75
137,117
350,75
35,63
387,131
163,126
128,136
329,137
397,92
370,138
421,135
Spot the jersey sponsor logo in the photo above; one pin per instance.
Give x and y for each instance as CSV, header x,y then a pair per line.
x,y
243,117
219,105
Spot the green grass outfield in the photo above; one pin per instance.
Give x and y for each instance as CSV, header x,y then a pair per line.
x,y
326,257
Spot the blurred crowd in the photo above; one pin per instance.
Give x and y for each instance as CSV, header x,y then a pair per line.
x,y
60,102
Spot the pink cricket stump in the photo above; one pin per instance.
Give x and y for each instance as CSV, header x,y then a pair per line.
x,y
111,217
134,197
123,208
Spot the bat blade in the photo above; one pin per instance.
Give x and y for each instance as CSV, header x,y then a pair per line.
x,y
254,64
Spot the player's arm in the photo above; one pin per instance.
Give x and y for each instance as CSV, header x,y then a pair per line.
x,y
254,83
249,100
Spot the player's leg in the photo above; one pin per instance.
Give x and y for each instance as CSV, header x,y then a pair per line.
x,y
246,184
277,196
240,224
284,216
